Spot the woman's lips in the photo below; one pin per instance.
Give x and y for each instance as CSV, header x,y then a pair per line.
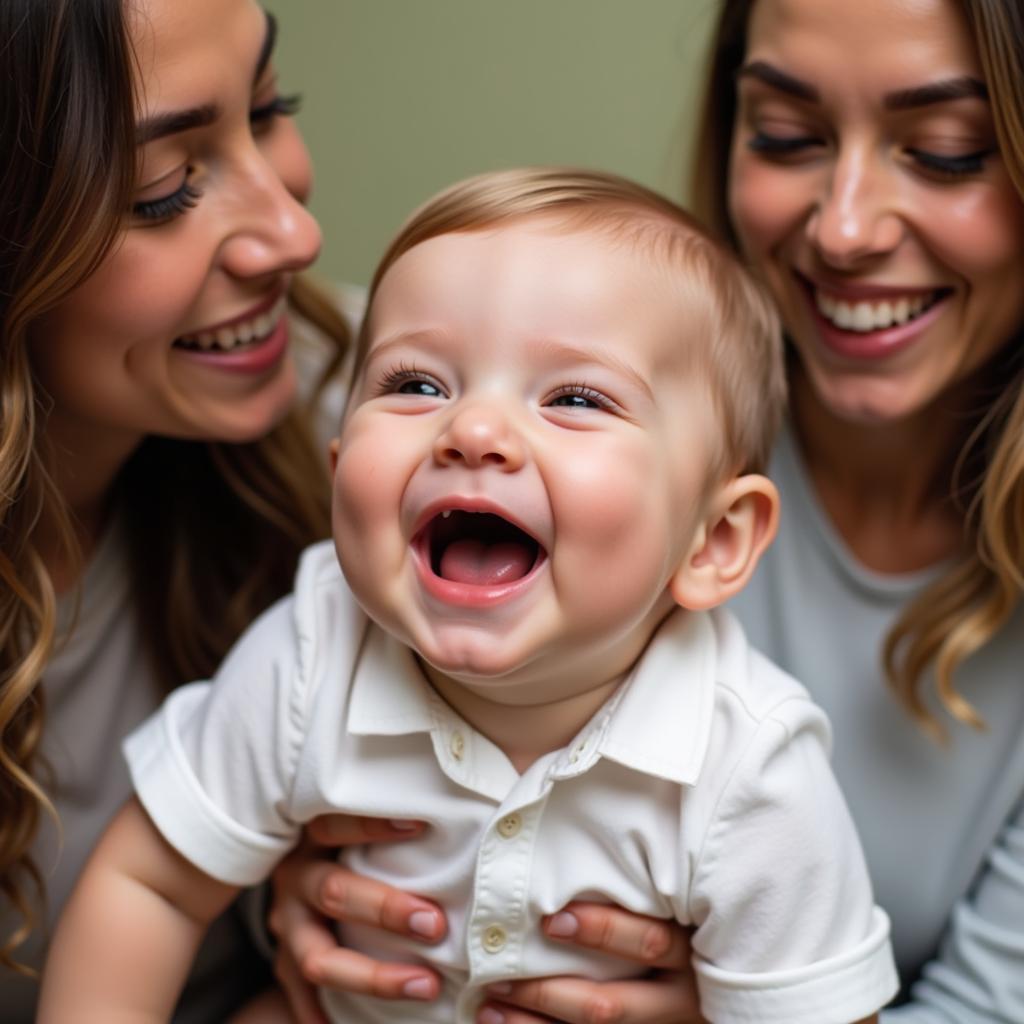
x,y
846,324
256,355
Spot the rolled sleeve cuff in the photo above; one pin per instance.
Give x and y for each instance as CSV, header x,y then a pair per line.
x,y
168,788
840,990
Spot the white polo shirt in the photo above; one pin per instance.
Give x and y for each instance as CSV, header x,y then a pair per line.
x,y
701,791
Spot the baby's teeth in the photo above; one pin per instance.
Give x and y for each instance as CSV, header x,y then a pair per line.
x,y
226,337
901,311
446,514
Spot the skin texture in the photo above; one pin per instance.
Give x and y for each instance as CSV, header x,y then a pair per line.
x,y
535,373
106,355
860,203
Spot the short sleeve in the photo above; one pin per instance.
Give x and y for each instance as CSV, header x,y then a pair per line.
x,y
214,766
787,927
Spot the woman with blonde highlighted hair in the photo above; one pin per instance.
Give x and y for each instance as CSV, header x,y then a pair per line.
x,y
868,160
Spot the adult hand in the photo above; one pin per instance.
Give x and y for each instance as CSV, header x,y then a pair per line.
x,y
311,890
667,996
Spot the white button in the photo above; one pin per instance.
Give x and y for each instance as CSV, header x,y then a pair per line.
x,y
495,939
510,825
457,746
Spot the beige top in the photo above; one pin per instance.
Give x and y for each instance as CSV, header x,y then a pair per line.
x,y
98,688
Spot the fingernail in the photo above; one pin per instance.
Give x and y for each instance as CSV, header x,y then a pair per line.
x,y
418,988
563,925
499,988
403,825
488,1015
423,922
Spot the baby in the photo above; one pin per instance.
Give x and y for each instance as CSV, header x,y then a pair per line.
x,y
545,480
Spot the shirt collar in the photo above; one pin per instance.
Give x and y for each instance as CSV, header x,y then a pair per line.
x,y
390,696
658,722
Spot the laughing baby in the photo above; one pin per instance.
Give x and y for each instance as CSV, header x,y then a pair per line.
x,y
546,484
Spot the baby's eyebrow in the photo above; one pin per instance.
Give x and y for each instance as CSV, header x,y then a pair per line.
x,y
574,354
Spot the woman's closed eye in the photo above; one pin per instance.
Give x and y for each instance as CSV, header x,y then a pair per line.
x,y
262,116
950,166
782,145
167,207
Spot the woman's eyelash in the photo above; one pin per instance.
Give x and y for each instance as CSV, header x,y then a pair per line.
x,y
951,166
279,106
779,145
167,207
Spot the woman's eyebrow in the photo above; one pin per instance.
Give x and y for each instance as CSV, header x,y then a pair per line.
x,y
776,79
267,49
173,121
944,91
964,87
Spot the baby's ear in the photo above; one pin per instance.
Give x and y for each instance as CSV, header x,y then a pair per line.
x,y
741,522
333,454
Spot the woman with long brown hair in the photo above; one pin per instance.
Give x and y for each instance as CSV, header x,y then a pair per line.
x,y
157,476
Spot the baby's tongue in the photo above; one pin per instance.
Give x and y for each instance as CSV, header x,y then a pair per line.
x,y
473,561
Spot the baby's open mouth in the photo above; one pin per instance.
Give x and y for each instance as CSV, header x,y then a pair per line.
x,y
479,548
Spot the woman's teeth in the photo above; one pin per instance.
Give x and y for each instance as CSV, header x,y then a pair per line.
x,y
872,316
226,338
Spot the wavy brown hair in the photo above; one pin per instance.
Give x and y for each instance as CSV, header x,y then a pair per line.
x,y
963,610
215,529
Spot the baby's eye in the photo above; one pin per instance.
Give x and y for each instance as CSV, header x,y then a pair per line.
x,y
407,380
579,396
419,387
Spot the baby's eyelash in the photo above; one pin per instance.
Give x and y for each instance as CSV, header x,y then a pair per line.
x,y
584,392
392,380
279,106
168,207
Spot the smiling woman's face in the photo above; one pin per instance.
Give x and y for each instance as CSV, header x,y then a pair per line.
x,y
866,184
181,331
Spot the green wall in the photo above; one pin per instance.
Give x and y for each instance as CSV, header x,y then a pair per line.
x,y
402,97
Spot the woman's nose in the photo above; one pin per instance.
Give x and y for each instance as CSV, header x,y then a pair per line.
x,y
480,435
271,231
856,216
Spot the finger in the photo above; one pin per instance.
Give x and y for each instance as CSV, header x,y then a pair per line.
x,y
350,830
647,940
307,940
668,999
496,1013
349,971
336,892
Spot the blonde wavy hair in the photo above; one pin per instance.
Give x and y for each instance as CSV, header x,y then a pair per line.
x,y
964,609
733,337
215,529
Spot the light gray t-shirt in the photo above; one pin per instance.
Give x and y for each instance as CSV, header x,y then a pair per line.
x,y
98,688
942,828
